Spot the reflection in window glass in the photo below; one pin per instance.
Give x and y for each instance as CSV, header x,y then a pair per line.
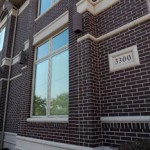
x,y
43,50
59,84
51,87
2,36
45,4
40,94
60,40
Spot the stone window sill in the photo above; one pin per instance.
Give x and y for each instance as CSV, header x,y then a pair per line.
x,y
49,120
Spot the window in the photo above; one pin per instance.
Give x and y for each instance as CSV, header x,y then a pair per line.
x,y
51,79
2,36
45,4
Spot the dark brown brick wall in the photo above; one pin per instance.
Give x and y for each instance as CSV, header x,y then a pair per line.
x,y
116,16
115,134
6,52
120,14
93,90
126,92
84,126
88,104
13,105
3,86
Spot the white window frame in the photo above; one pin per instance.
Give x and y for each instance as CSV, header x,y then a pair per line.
x,y
48,117
53,3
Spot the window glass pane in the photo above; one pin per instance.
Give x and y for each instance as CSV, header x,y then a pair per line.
x,y
60,40
2,36
45,4
59,84
40,94
43,50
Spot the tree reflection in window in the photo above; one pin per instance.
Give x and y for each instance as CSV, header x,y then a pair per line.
x,y
51,84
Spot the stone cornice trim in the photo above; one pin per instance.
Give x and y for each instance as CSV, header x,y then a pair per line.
x,y
23,7
126,119
114,32
51,28
96,2
16,59
6,62
13,12
94,7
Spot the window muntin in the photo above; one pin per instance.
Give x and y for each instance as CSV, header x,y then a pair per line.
x,y
2,36
45,4
51,84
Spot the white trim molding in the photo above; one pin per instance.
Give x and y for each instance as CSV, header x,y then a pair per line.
x,y
126,119
6,61
43,120
26,45
50,29
24,67
15,77
3,79
23,7
16,59
95,7
116,31
25,143
121,58
13,12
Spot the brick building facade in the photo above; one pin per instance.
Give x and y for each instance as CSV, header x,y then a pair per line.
x,y
108,74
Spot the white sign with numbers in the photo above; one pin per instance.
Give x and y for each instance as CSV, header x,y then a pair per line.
x,y
124,59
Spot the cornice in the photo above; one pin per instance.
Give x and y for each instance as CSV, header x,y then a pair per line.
x,y
94,7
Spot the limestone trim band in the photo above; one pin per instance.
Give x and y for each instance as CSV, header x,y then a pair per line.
x,y
43,120
114,32
94,7
15,77
6,62
126,119
23,7
50,29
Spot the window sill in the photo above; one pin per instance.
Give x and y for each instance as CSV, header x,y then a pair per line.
x,y
49,120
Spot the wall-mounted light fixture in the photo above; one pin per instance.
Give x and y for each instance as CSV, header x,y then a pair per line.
x,y
77,22
23,57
